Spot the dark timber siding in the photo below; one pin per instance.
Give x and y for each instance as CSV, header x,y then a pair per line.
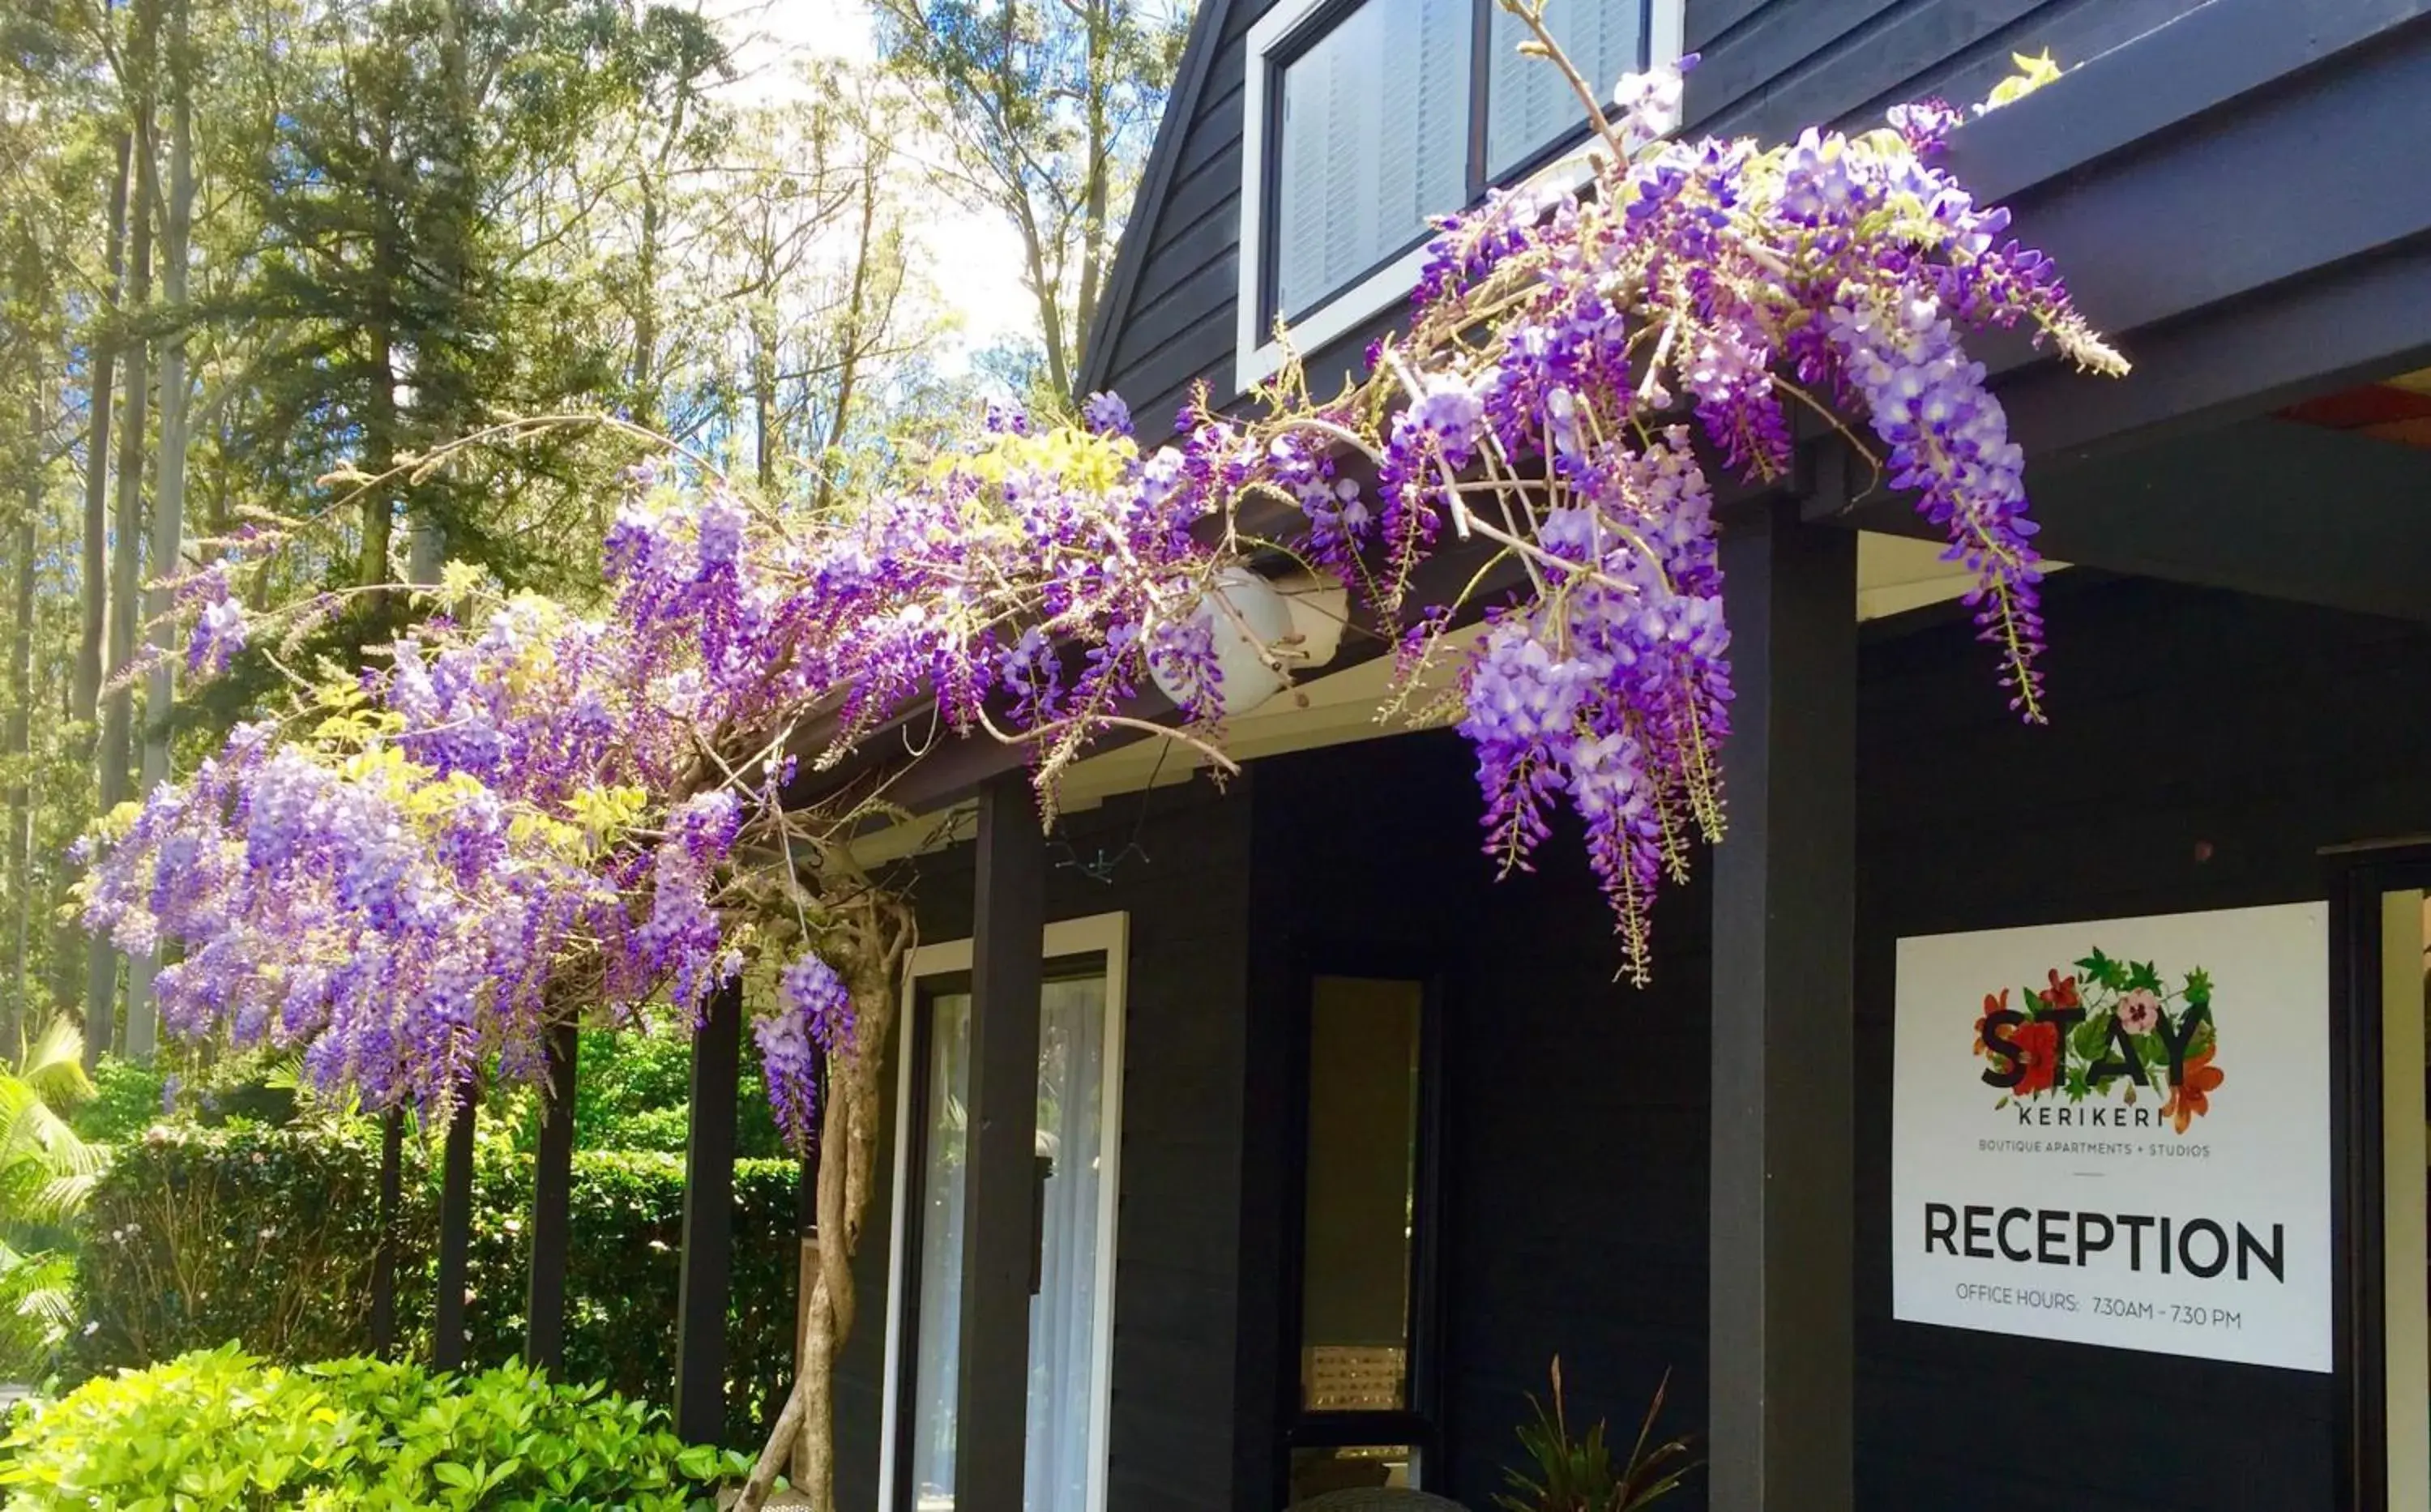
x,y
1769,68
2182,717
1171,1431
1577,1110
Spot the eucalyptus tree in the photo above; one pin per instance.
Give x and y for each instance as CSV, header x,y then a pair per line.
x,y
1046,110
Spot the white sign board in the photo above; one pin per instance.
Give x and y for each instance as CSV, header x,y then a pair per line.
x,y
2119,1132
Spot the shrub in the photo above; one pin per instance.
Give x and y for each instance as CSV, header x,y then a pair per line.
x,y
126,1099
621,1274
264,1236
197,1238
633,1088
219,1430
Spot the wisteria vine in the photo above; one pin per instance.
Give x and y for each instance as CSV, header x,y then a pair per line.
x,y
520,813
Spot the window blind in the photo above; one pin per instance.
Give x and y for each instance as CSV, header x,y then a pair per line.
x,y
1375,142
1528,102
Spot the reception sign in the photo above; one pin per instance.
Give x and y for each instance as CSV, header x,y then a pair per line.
x,y
2119,1132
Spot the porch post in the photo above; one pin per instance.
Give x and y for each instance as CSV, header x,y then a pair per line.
x,y
392,1194
1780,1331
552,1197
1001,1131
454,1230
708,1244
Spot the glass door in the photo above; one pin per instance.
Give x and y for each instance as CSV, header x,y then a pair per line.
x,y
1361,1308
2405,1181
1070,1312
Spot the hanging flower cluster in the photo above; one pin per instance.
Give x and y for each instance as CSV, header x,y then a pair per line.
x,y
524,814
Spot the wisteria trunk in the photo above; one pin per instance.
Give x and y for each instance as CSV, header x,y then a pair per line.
x,y
805,1430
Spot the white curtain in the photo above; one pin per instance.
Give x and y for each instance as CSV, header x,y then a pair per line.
x,y
1063,1345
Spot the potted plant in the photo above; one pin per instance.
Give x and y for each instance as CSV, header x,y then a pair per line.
x,y
1579,1475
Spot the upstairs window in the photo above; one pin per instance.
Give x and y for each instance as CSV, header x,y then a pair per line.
x,y
1375,140
1368,118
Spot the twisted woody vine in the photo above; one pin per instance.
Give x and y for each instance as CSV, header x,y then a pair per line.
x,y
523,813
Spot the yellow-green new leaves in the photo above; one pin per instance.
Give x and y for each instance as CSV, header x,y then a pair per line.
x,y
2033,74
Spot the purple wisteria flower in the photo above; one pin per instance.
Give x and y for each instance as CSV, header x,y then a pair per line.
x,y
519,811
1107,414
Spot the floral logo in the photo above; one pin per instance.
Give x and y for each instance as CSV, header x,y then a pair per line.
x,y
2104,1032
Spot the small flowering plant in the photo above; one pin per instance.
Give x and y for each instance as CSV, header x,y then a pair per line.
x,y
2103,1029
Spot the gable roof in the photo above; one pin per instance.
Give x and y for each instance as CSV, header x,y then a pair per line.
x,y
1181,110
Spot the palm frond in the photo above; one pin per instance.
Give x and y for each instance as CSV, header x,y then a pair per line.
x,y
54,1065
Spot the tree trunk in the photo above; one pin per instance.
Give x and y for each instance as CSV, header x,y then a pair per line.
x,y
16,1016
117,758
379,455
855,322
446,409
1098,25
764,395
169,503
84,708
804,1435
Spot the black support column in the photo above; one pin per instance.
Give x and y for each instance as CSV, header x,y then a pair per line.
x,y
1780,1327
391,1193
999,1218
455,1231
708,1221
552,1197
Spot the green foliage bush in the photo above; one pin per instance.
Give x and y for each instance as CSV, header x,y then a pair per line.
x,y
197,1237
219,1431
126,1102
632,1092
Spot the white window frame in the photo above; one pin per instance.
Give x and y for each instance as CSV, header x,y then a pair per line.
x,y
1097,933
1257,355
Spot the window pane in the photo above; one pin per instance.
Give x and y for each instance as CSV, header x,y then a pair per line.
x,y
1362,1176
2404,1005
1375,140
1528,102
1063,1312
947,1076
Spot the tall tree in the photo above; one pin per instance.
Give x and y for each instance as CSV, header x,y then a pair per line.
x,y
1049,108
16,1011
84,710
116,758
169,495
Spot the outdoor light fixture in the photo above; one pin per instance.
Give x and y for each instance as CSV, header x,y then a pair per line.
x,y
1319,606
1245,616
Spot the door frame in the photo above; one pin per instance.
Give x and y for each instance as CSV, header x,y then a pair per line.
x,y
2359,1229
1422,1424
1106,934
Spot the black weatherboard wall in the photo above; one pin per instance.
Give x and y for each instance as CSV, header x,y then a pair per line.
x,y
1575,1118
1768,68
1170,1435
2204,747
1576,1123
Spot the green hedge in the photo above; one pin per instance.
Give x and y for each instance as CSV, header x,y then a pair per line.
x,y
220,1431
197,1237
